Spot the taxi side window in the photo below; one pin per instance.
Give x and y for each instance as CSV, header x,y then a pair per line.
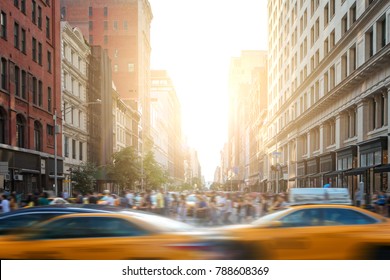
x,y
334,216
21,221
302,218
90,227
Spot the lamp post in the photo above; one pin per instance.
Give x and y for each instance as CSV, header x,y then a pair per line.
x,y
55,152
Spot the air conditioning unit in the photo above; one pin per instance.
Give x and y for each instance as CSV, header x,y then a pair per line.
x,y
18,177
7,177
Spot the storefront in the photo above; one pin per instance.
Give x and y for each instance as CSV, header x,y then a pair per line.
x,y
30,172
301,174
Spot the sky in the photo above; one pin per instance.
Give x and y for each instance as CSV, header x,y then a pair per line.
x,y
194,40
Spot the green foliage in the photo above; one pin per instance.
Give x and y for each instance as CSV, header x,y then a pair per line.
x,y
84,178
154,175
125,168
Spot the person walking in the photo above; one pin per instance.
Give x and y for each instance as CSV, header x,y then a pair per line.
x,y
5,207
182,209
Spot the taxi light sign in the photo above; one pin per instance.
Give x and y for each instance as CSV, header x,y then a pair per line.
x,y
319,196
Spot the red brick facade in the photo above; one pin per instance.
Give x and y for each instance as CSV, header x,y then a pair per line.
x,y
30,87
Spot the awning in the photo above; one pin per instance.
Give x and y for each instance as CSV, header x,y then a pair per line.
x,y
33,171
318,174
357,171
58,176
292,179
335,173
382,168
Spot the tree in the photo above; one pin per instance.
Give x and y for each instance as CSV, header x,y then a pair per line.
x,y
154,175
125,168
84,177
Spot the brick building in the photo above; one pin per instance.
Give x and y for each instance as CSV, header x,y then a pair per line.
x,y
29,94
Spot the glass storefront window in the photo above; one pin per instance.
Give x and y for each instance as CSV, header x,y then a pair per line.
x,y
378,157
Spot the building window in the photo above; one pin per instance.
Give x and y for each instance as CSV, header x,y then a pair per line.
x,y
49,61
344,25
4,74
66,146
20,131
326,47
3,123
332,75
344,68
381,32
39,17
332,40
40,93
34,12
34,49
63,13
49,99
115,25
37,136
73,149
81,151
47,27
3,22
34,91
351,123
39,53
369,44
17,81
24,84
332,8
23,6
16,35
90,13
16,3
23,49
105,11
115,67
326,15
352,59
352,14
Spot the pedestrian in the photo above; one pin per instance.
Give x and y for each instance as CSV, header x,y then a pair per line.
x,y
381,203
174,205
228,209
130,199
213,216
13,202
182,208
202,210
5,207
160,202
43,199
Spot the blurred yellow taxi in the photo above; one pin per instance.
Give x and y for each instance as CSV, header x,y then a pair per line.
x,y
316,231
113,236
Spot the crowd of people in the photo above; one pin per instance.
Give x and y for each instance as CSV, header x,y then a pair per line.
x,y
205,208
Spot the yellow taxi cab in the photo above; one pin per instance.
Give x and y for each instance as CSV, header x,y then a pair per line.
x,y
316,231
116,236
